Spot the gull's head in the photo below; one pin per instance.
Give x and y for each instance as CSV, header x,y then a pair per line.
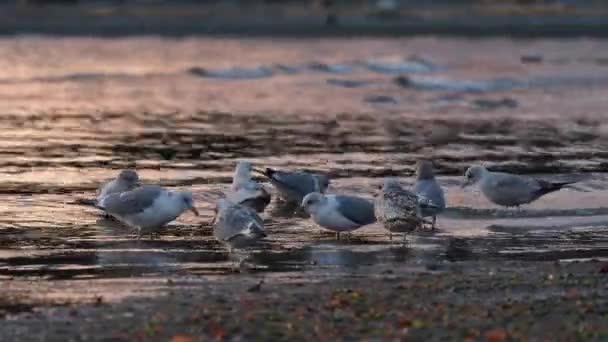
x,y
244,167
129,177
391,183
313,201
473,175
187,201
242,173
424,170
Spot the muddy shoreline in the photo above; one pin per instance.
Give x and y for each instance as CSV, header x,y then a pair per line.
x,y
456,301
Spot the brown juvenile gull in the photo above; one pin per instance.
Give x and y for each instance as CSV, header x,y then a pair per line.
x,y
398,209
507,189
246,191
149,208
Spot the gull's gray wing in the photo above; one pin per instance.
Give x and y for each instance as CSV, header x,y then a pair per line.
x,y
546,187
299,182
513,184
425,203
247,191
131,202
235,219
293,186
358,210
105,188
508,189
250,194
431,190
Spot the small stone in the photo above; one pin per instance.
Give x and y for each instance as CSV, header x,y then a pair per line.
x,y
531,59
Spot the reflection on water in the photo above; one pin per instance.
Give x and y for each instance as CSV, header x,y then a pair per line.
x,y
108,250
75,118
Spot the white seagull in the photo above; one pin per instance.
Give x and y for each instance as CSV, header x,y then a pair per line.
x,y
339,213
149,208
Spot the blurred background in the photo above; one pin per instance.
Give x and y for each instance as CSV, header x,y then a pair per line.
x,y
304,17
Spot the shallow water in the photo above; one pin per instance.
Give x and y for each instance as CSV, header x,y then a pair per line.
x,y
76,110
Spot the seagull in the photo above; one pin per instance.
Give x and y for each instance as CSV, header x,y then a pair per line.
x,y
246,191
235,225
507,189
427,187
399,209
147,209
127,180
293,186
340,213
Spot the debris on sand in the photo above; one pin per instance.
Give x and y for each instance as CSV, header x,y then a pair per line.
x,y
381,99
401,66
236,73
531,59
332,68
347,83
472,86
491,104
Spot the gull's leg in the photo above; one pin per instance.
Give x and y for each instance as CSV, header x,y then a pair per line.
x,y
404,239
138,233
426,222
434,222
236,265
242,262
337,235
390,236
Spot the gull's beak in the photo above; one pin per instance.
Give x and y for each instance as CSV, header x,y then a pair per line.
x,y
193,210
465,183
304,207
260,171
214,218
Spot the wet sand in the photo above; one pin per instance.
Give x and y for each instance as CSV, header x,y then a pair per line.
x,y
476,300
183,111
